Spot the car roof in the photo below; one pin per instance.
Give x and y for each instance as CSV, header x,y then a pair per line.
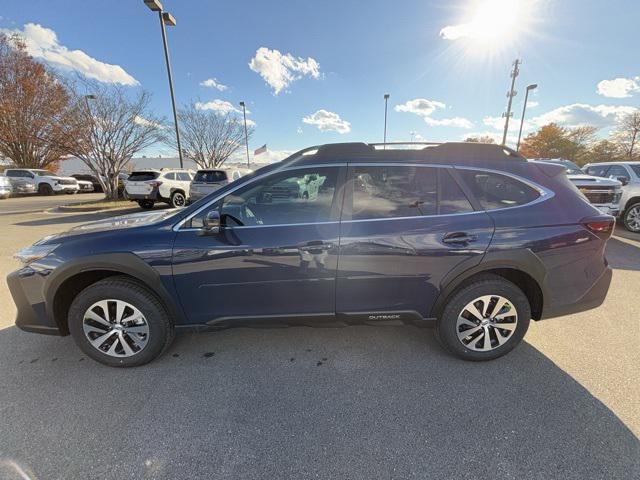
x,y
613,163
453,153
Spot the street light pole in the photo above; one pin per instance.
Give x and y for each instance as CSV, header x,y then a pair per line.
x,y
167,19
386,99
246,135
524,109
510,94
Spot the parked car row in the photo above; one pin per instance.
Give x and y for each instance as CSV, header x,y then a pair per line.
x,y
23,181
176,187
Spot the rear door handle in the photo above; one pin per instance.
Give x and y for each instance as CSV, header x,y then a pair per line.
x,y
316,246
459,238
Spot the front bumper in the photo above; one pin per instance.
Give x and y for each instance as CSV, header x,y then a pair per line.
x,y
65,188
5,191
591,299
26,287
608,209
24,188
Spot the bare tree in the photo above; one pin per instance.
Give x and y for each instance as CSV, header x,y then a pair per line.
x,y
480,139
117,125
627,134
209,138
37,116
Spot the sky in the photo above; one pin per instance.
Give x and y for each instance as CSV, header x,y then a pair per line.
x,y
315,72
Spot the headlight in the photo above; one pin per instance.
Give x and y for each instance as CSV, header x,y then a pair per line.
x,y
35,252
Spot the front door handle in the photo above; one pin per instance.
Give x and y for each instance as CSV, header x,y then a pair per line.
x,y
459,238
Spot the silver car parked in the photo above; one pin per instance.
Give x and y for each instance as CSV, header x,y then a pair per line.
x,y
210,180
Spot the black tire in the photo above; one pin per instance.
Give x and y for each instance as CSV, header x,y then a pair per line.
x,y
45,189
178,199
146,204
488,284
161,331
629,224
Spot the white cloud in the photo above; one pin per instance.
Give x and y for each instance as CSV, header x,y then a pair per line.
x,y
619,87
578,114
219,106
424,108
299,130
145,122
42,43
280,70
328,122
213,83
532,103
456,122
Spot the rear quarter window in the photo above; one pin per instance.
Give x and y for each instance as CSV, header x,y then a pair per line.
x,y
494,190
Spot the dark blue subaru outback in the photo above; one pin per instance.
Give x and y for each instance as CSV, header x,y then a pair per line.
x,y
472,237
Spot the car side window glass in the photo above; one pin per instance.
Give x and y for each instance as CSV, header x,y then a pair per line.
x,y
12,173
451,197
618,171
184,176
170,176
393,191
494,190
281,198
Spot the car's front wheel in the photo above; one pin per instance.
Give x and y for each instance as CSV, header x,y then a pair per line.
x,y
631,218
45,189
120,323
484,319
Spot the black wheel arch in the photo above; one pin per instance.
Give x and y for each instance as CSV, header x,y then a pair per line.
x,y
68,280
630,202
521,267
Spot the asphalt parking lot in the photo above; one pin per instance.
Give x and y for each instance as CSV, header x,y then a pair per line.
x,y
356,402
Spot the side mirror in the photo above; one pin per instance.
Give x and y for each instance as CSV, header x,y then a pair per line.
x,y
623,180
211,223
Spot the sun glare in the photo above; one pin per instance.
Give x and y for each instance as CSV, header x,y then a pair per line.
x,y
495,19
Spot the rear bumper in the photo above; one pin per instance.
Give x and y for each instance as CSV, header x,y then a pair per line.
x,y
153,195
591,299
65,188
26,287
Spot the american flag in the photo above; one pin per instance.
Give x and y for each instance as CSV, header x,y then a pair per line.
x,y
262,149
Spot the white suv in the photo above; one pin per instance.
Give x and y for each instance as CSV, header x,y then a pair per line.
x,y
629,174
44,181
165,185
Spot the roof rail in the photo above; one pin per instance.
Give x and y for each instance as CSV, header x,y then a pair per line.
x,y
384,144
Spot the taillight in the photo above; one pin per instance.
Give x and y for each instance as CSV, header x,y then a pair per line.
x,y
155,183
601,225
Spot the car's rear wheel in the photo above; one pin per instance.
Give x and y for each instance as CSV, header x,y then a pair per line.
x,y
120,323
146,204
45,189
178,199
631,218
485,319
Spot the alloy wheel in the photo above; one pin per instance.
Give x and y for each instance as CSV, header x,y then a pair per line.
x,y
486,323
632,218
115,328
179,200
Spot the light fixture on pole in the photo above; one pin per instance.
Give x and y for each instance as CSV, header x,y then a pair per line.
x,y
246,135
167,19
524,109
386,99
510,94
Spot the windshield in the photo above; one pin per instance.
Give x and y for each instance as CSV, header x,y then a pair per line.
x,y
143,176
210,176
572,168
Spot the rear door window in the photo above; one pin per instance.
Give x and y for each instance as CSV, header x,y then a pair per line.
x,y
393,191
142,176
210,176
494,190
